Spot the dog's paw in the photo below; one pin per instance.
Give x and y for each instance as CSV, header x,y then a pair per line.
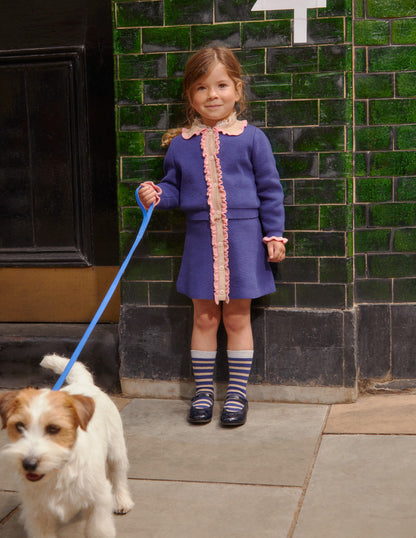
x,y
123,504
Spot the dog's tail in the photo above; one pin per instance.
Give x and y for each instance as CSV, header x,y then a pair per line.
x,y
77,374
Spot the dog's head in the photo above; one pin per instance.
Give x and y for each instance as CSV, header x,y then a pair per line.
x,y
42,426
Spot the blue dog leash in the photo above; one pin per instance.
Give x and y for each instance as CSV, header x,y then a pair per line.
x,y
146,218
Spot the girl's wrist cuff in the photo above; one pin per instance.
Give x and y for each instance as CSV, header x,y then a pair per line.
x,y
274,238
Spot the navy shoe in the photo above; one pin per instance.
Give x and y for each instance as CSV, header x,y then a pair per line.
x,y
234,418
201,415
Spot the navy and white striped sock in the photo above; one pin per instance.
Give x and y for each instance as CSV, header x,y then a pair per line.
x,y
239,366
203,363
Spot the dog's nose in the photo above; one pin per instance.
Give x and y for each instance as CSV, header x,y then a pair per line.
x,y
30,464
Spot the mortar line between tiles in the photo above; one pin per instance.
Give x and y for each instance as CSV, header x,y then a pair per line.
x,y
308,476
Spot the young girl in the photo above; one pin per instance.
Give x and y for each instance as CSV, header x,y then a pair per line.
x,y
222,173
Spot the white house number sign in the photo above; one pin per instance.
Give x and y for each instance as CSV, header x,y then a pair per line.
x,y
300,8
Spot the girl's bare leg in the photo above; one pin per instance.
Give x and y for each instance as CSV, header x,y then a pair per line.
x,y
207,317
237,322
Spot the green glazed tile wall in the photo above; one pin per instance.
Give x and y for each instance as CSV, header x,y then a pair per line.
x,y
385,150
339,111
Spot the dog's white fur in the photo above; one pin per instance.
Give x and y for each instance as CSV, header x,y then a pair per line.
x,y
69,452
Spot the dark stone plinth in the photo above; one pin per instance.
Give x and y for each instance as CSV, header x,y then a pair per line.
x,y
22,346
403,337
387,341
373,338
292,347
155,342
310,347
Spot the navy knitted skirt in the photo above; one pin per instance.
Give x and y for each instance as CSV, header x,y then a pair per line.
x,y
250,272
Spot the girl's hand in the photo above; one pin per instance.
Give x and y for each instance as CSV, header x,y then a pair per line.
x,y
276,251
147,195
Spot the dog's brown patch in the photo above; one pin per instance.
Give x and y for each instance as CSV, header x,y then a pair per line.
x,y
66,412
59,417
6,403
14,410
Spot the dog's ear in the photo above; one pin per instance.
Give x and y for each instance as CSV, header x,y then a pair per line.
x,y
6,403
84,409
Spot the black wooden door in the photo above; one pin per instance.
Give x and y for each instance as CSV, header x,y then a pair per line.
x,y
58,203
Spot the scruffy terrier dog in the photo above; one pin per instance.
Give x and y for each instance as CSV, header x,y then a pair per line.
x,y
69,450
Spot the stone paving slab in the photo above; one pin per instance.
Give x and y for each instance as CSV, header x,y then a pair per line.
x,y
249,481
185,510
8,502
274,447
381,414
204,510
12,529
362,486
229,482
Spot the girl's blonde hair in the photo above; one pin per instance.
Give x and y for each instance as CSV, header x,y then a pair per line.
x,y
199,65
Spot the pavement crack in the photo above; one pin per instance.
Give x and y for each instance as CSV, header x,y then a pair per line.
x,y
6,518
308,476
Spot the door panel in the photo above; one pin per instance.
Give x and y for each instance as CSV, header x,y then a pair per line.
x,y
45,202
58,184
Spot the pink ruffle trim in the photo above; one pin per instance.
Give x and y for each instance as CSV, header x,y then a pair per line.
x,y
208,180
231,126
274,238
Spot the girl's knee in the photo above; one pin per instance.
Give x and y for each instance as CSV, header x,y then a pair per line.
x,y
206,318
236,321
206,321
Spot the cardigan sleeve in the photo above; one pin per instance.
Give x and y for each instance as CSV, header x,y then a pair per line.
x,y
269,188
170,185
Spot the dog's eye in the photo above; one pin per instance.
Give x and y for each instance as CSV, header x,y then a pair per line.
x,y
52,429
19,427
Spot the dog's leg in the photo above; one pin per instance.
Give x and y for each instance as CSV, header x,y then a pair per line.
x,y
100,523
117,474
39,524
117,464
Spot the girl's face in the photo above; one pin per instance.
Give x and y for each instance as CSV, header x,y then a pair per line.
x,y
214,95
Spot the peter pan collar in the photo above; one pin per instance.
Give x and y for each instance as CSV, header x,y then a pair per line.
x,y
230,126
